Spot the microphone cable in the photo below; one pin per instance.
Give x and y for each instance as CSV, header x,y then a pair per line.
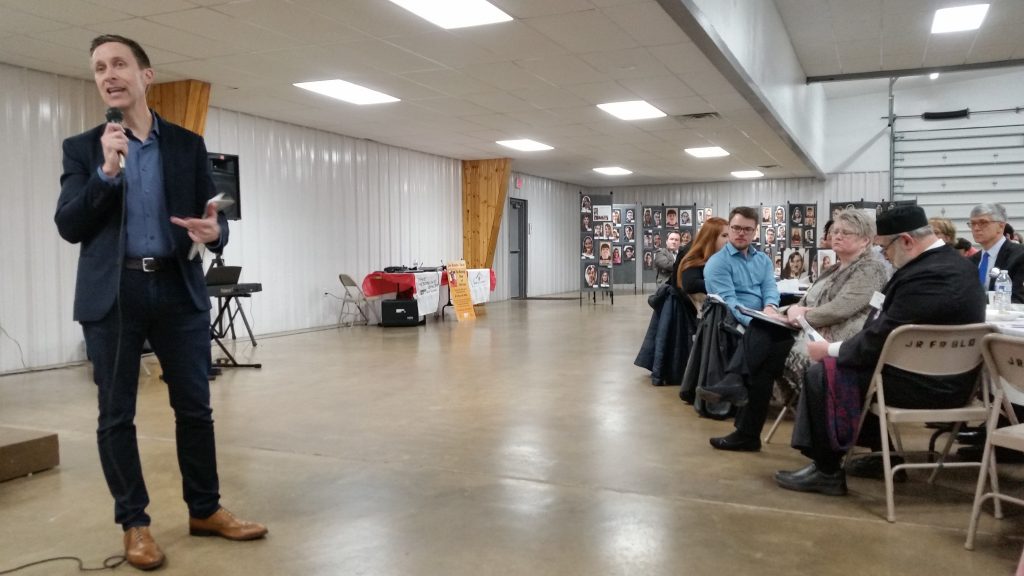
x,y
109,563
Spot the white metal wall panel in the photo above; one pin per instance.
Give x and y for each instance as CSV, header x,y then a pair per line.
x,y
553,259
314,204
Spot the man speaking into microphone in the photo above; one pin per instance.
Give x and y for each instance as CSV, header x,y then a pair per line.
x,y
134,195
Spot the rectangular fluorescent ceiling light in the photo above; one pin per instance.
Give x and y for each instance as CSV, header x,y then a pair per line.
x,y
708,152
525,145
450,14
748,174
632,110
613,171
959,18
347,91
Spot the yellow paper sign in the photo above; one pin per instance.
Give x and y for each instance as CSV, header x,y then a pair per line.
x,y
458,287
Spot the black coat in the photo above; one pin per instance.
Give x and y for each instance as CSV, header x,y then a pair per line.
x,y
666,345
713,346
938,287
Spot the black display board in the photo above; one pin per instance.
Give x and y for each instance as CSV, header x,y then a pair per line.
x,y
657,222
597,238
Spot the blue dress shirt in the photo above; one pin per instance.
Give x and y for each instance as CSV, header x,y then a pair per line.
x,y
147,223
742,279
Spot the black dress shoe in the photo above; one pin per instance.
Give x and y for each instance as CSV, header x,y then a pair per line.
x,y
737,442
872,467
730,389
810,479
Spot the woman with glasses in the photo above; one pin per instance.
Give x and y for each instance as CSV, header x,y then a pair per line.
x,y
837,304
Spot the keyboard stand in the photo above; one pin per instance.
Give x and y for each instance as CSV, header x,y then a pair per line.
x,y
221,326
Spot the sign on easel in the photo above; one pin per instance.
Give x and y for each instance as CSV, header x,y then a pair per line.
x,y
458,287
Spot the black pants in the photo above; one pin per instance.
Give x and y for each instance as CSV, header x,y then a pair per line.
x,y
759,360
810,431
154,306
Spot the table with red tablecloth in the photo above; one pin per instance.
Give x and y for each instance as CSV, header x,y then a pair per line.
x,y
412,285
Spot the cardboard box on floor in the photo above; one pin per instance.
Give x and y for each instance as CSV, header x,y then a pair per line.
x,y
24,452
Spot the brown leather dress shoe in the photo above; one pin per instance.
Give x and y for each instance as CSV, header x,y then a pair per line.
x,y
224,524
140,550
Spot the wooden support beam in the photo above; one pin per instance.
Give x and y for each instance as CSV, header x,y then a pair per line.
x,y
484,189
184,103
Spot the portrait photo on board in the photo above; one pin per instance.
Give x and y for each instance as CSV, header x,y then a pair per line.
x,y
588,248
602,213
672,218
605,254
630,215
585,204
590,276
685,219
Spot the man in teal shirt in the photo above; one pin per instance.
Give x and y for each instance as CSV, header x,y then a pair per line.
x,y
745,277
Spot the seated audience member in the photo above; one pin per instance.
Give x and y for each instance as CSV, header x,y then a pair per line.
x,y
932,285
964,246
988,221
837,304
665,258
666,345
690,273
743,276
943,229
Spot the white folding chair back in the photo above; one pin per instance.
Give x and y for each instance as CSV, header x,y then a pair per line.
x,y
353,301
1004,358
931,351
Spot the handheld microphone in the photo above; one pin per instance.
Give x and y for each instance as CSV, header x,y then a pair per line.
x,y
115,116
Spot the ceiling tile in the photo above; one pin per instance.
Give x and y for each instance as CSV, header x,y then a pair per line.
x,y
531,8
224,28
303,64
382,55
79,39
658,87
168,38
18,22
601,92
563,70
647,23
443,46
631,63
452,106
214,73
145,7
292,20
451,82
511,40
499,101
549,97
681,58
504,75
581,32
677,106
76,12
373,17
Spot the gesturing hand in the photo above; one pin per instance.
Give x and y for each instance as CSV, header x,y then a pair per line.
x,y
203,230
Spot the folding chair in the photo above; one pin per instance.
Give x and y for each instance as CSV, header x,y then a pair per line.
x,y
353,296
930,351
1004,359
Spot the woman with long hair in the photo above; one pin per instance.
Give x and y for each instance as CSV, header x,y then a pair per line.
x,y
690,270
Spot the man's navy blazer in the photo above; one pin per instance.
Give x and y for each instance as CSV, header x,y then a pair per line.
x,y
1011,259
89,212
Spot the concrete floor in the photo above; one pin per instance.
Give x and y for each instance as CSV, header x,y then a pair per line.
x,y
524,443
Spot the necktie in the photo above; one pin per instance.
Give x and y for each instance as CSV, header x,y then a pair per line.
x,y
983,269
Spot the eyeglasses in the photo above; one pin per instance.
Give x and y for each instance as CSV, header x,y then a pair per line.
x,y
743,229
834,232
886,247
981,223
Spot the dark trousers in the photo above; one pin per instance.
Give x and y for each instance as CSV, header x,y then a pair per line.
x,y
154,306
810,431
759,360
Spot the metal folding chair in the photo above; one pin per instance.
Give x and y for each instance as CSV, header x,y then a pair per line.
x,y
352,297
1004,359
944,351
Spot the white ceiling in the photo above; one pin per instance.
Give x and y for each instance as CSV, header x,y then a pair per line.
x,y
850,36
537,77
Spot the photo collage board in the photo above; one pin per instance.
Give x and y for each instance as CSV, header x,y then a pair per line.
x,y
657,222
608,243
788,235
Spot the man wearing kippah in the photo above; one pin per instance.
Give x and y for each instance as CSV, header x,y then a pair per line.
x,y
933,284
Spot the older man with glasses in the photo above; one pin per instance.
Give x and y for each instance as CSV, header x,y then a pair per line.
x,y
745,277
933,284
988,221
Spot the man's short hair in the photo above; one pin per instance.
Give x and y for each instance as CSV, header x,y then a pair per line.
x,y
996,210
140,55
676,232
745,211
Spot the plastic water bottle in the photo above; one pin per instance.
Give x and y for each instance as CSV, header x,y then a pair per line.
x,y
1003,288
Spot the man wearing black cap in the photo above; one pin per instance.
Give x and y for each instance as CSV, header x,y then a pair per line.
x,y
933,284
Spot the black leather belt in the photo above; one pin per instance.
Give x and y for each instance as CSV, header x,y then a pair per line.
x,y
149,264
